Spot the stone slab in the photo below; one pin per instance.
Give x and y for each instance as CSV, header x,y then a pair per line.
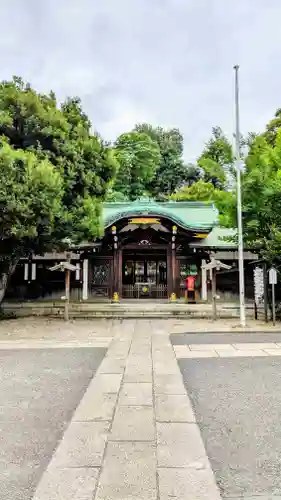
x,y
138,373
96,405
82,445
40,390
242,354
67,484
253,346
173,408
136,394
138,361
166,368
129,472
207,347
107,382
133,423
273,352
199,354
180,445
111,364
180,350
168,384
187,484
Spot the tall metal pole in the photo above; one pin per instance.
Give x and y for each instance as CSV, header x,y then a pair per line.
x,y
239,204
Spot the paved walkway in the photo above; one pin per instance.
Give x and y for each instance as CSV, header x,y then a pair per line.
x,y
133,435
227,350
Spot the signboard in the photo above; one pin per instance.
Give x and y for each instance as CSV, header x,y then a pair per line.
x,y
272,276
258,285
144,220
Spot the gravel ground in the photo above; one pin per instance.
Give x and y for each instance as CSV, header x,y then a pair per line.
x,y
39,390
237,403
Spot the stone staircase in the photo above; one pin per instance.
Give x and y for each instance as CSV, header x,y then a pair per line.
x,y
134,309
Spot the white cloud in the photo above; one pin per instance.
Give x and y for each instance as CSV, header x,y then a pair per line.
x,y
165,61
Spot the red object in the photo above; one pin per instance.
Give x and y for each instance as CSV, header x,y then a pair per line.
x,y
190,283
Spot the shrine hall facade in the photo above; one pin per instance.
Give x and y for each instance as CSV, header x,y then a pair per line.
x,y
148,249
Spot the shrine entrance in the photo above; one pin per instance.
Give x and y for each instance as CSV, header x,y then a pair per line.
x,y
144,274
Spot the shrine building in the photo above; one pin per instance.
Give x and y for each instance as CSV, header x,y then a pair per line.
x,y
147,250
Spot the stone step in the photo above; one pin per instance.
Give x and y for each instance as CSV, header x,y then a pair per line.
x,y
119,311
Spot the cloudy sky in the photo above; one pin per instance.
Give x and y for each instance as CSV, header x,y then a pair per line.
x,y
168,62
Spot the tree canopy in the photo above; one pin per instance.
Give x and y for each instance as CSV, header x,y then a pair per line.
x,y
225,201
216,159
55,175
261,188
171,171
138,156
54,172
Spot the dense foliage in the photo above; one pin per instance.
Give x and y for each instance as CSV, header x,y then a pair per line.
x,y
138,156
54,174
262,197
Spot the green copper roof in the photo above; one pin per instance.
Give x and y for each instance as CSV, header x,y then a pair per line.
x,y
191,215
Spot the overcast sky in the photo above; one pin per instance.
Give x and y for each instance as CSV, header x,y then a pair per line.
x,y
168,62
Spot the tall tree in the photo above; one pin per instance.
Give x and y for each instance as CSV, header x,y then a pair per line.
x,y
261,188
171,172
273,127
217,159
225,201
138,156
50,149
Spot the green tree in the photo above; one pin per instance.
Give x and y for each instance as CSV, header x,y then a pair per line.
x,y
193,174
30,204
261,188
217,159
172,171
138,156
43,144
272,128
224,201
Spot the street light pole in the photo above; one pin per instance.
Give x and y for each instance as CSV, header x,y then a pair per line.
x,y
239,204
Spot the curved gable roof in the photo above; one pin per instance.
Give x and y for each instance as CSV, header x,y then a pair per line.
x,y
192,216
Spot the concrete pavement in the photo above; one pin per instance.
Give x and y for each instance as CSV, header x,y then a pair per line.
x,y
237,404
135,433
39,390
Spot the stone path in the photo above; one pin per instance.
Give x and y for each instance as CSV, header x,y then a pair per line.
x,y
133,435
227,350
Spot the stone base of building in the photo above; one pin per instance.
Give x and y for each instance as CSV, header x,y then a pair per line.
x,y
130,309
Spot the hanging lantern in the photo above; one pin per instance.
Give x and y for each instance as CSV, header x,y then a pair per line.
x,y
113,229
174,228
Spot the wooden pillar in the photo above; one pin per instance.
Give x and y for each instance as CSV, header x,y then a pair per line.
x,y
214,293
178,278
169,271
120,273
115,282
117,271
174,264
